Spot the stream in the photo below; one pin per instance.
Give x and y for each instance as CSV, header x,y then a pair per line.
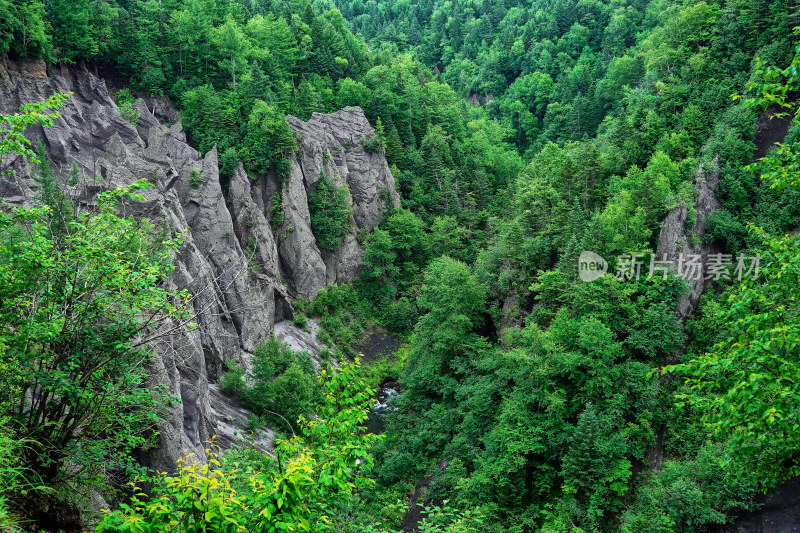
x,y
387,390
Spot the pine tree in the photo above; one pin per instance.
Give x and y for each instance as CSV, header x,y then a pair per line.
x,y
22,28
307,101
72,34
395,153
582,462
232,43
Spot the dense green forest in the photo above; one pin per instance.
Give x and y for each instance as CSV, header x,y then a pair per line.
x,y
519,134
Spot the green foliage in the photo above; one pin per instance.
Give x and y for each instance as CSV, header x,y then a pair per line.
x,y
125,107
75,175
313,473
195,178
232,381
380,269
373,144
447,519
452,299
300,320
51,193
782,166
12,127
409,244
388,367
81,295
343,316
545,408
689,495
268,139
210,118
24,29
744,386
81,299
228,162
519,134
78,29
276,210
329,207
253,263
280,387
16,479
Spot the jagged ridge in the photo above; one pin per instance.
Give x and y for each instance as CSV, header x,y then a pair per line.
x,y
240,290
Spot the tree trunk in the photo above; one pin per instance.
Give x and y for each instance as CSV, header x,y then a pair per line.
x,y
233,69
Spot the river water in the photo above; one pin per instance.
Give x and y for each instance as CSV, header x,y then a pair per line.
x,y
387,391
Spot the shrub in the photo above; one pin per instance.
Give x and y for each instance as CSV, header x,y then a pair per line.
x,y
228,161
268,139
300,320
401,316
318,472
281,387
195,178
152,81
276,210
343,317
373,145
93,365
330,211
125,107
232,381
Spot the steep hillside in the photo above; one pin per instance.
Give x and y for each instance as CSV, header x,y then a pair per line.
x,y
659,393
243,274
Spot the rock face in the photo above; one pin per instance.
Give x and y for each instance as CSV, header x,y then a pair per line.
x,y
332,145
231,260
678,236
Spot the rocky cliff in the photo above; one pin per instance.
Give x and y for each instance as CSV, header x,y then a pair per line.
x,y
680,235
332,145
780,510
242,272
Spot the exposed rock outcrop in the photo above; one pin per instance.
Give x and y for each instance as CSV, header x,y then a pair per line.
x,y
230,260
301,340
679,236
332,145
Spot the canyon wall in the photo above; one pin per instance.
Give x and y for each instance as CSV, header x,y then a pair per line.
x,y
243,273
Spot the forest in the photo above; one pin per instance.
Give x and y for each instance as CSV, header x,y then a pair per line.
x,y
520,135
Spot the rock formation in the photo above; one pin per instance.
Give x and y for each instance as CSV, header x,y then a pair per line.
x,y
242,273
682,235
331,145
679,236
